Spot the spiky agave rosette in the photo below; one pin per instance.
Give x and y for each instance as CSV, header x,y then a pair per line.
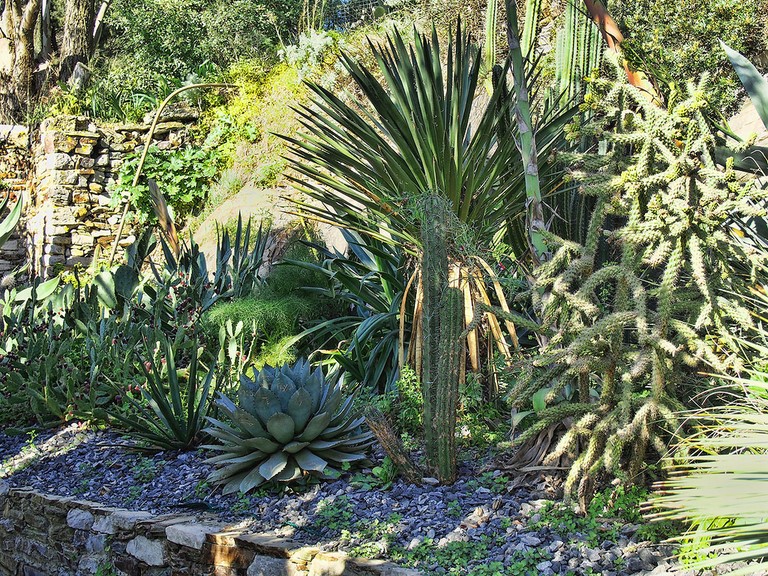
x,y
291,422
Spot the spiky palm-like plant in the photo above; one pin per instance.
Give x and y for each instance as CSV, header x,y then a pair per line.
x,y
639,304
291,421
720,490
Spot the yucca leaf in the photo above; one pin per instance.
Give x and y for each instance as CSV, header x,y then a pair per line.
x,y
754,83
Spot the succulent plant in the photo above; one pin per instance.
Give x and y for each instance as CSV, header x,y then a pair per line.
x,y
291,422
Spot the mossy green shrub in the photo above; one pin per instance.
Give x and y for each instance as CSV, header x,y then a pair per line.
x,y
676,41
283,307
246,126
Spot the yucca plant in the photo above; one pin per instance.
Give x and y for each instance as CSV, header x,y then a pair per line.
x,y
425,129
291,422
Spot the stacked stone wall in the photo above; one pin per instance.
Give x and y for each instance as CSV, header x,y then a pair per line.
x,y
65,170
44,535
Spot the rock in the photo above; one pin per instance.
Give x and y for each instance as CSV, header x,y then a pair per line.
x,y
79,519
189,535
265,566
327,565
146,550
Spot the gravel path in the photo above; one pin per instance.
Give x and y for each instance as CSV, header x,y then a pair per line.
x,y
479,516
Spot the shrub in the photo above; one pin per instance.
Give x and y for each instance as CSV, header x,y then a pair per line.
x,y
184,176
676,41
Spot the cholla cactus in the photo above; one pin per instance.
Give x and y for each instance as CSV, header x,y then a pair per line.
x,y
291,422
641,304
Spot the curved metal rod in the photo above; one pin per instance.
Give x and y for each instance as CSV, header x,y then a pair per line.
x,y
144,153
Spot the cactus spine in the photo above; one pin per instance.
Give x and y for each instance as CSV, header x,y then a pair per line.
x,y
443,322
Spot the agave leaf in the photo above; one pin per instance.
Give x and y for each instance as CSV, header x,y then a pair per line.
x,y
338,456
310,461
234,484
314,387
300,408
264,444
754,83
283,387
333,402
251,481
294,447
315,427
223,435
265,405
248,423
250,458
228,471
273,465
320,445
291,472
282,427
347,426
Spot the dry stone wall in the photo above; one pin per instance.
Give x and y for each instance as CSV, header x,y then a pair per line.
x,y
45,535
65,170
74,217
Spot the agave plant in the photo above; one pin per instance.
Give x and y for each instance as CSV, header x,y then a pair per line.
x,y
291,422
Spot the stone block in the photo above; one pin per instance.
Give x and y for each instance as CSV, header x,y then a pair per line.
x,y
79,519
327,564
151,552
266,566
84,149
95,187
190,535
59,195
102,160
121,519
56,161
14,135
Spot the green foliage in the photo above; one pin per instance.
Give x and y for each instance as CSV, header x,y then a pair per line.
x,y
146,469
719,490
368,281
380,476
175,400
603,518
291,422
183,176
676,41
148,43
638,305
314,51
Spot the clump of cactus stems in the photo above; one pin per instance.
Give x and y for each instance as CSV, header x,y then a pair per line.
x,y
653,293
291,422
443,341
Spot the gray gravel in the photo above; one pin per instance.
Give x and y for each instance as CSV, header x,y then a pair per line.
x,y
100,466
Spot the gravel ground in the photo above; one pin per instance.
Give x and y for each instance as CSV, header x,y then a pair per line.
x,y
481,510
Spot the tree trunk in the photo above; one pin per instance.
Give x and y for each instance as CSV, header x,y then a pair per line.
x,y
76,45
17,58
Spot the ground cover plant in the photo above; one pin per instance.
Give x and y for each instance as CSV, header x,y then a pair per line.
x,y
470,289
